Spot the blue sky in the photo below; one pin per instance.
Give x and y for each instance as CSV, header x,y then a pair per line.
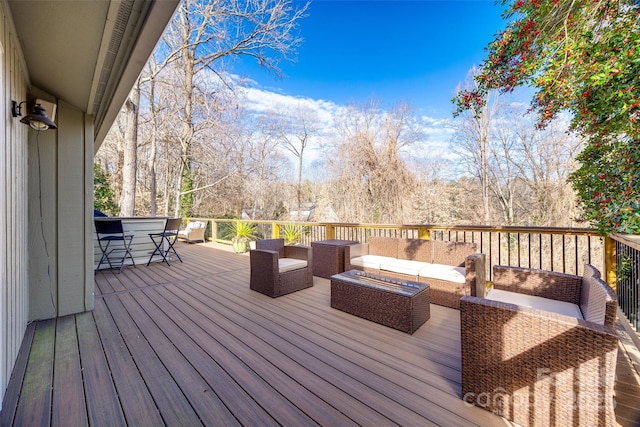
x,y
417,51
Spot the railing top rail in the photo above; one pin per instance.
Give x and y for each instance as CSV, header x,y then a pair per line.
x,y
439,227
487,228
632,241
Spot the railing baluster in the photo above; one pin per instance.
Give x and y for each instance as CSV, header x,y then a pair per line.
x,y
576,265
551,250
564,259
540,250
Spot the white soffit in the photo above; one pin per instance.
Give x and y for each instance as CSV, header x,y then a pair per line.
x,y
90,52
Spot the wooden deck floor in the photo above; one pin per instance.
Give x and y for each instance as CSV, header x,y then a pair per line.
x,y
191,344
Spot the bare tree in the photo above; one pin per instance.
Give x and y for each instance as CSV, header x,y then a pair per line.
x,y
205,32
371,177
547,158
504,176
128,197
471,143
295,130
522,169
200,37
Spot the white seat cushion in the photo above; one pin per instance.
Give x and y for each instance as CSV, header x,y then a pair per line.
x,y
288,264
371,261
448,273
404,266
554,306
194,225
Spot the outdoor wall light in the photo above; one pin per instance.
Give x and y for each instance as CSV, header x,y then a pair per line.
x,y
37,119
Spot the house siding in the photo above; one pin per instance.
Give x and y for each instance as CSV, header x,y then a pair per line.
x,y
13,201
60,216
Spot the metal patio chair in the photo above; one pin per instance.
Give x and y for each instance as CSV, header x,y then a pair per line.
x,y
165,241
109,231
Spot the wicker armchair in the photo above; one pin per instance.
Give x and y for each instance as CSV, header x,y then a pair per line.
x,y
194,232
537,367
277,269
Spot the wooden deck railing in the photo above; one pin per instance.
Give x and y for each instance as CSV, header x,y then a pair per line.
x,y
627,254
550,248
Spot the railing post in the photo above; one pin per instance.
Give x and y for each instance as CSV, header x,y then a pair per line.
x,y
275,230
610,262
330,232
214,230
424,233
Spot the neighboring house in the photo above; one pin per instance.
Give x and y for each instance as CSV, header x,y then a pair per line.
x,y
323,213
81,57
314,212
302,214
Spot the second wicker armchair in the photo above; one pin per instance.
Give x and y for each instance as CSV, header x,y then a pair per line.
x,y
547,359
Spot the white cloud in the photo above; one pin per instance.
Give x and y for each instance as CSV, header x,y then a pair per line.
x,y
437,133
260,101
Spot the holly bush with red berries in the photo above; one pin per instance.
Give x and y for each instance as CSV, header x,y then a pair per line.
x,y
583,57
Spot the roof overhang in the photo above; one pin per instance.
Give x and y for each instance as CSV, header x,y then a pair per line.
x,y
89,53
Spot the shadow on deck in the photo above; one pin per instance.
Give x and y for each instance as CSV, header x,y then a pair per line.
x,y
190,344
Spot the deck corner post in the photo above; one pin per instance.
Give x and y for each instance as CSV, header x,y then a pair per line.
x,y
610,262
330,231
424,233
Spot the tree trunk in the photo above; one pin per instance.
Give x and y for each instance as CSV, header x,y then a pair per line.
x,y
186,134
299,192
128,199
153,189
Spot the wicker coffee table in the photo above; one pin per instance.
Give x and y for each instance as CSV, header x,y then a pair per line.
x,y
399,304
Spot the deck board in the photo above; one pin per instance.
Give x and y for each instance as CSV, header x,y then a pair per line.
x,y
191,344
103,405
12,394
68,390
35,399
121,355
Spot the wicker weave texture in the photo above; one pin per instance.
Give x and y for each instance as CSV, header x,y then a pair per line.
x,y
328,257
384,246
403,312
542,283
594,292
265,277
537,368
452,253
271,245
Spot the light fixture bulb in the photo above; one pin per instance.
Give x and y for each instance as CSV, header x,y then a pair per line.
x,y
39,126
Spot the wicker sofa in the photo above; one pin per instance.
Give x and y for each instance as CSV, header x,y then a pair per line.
x,y
534,362
451,269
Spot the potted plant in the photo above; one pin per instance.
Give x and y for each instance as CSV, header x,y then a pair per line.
x,y
293,233
243,232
